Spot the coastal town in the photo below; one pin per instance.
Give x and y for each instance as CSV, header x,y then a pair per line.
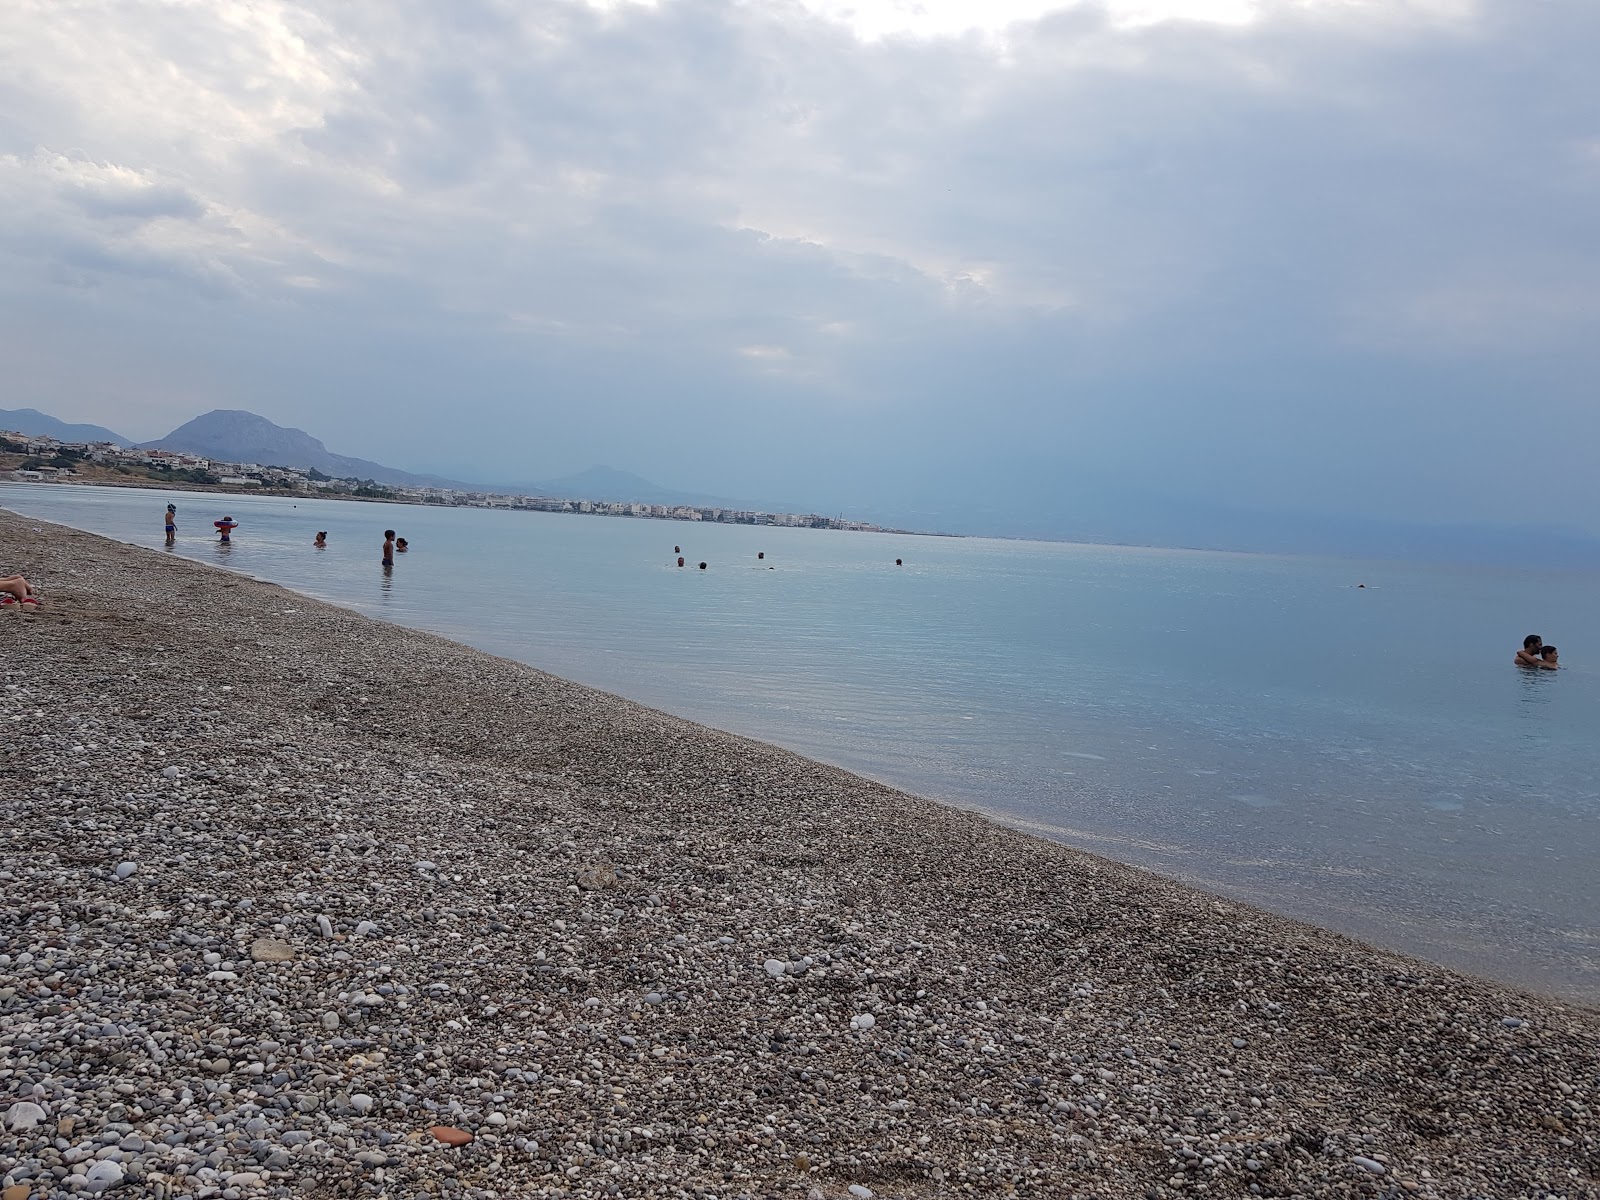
x,y
40,459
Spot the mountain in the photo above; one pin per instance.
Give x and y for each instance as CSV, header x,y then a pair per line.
x,y
233,435
37,424
610,484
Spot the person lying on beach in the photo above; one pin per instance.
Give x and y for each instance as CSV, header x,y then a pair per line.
x,y
322,541
17,590
388,547
1549,659
1528,656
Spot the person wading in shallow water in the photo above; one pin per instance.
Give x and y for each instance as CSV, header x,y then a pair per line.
x,y
172,522
1528,656
388,547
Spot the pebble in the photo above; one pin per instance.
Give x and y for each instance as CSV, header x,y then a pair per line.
x,y
271,950
1369,1165
1039,1020
126,869
24,1115
859,1191
104,1175
170,772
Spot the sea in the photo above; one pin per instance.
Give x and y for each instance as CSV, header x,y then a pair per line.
x,y
1366,758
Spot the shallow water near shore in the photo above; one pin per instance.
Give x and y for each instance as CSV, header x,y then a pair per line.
x,y
1366,759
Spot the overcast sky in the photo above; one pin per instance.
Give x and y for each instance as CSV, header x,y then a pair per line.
x,y
1335,258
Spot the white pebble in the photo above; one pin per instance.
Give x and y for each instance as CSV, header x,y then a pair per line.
x,y
863,1021
774,967
860,1192
25,1114
361,1102
126,869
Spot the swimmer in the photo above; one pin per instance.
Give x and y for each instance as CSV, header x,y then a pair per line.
x,y
1528,656
322,540
227,525
702,566
388,547
897,562
680,560
1549,659
401,545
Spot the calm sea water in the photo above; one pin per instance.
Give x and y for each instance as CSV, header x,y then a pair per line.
x,y
1367,759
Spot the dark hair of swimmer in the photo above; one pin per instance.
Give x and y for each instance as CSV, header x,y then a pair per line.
x,y
388,533
702,566
1532,640
677,549
1547,651
897,562
680,560
761,553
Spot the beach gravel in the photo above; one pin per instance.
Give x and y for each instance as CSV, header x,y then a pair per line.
x,y
299,904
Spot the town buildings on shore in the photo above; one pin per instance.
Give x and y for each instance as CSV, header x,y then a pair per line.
x,y
51,461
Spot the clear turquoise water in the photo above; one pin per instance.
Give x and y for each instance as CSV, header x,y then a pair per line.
x,y
1366,759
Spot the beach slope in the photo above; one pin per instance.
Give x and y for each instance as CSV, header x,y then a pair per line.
x,y
285,887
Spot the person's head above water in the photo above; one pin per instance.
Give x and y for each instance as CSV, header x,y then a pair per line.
x,y
172,508
1548,653
1532,642
388,533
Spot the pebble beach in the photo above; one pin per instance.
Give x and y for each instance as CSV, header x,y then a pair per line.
x,y
299,903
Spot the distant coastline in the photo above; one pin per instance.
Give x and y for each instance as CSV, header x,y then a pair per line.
x,y
22,460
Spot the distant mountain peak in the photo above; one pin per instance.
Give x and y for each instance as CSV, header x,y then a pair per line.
x,y
235,435
37,424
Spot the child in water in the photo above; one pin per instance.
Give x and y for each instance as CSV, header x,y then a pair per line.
x,y
172,522
227,525
388,547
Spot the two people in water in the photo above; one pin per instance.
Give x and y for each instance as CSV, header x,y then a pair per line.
x,y
1537,655
392,546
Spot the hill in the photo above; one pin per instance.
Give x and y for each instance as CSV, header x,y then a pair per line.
x,y
234,435
610,484
37,424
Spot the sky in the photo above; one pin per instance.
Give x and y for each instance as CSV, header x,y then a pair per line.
x,y
1117,270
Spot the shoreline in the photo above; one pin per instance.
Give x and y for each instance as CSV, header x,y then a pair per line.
x,y
650,949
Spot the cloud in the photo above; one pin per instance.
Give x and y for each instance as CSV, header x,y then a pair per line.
x,y
1249,254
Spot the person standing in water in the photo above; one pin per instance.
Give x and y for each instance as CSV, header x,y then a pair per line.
x,y
172,523
388,547
226,526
